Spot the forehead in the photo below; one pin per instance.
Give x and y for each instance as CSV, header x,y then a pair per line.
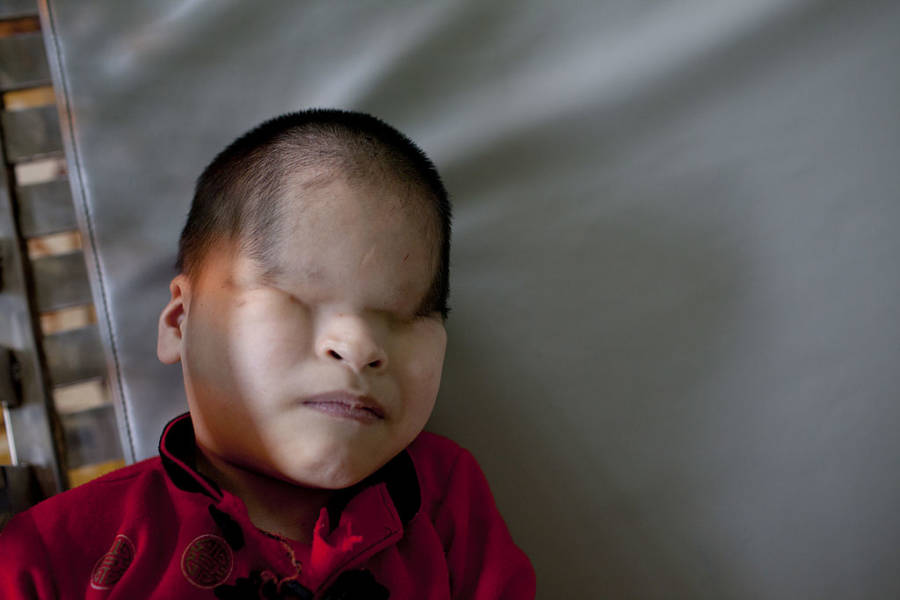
x,y
332,229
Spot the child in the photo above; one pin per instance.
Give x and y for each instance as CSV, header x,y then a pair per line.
x,y
308,318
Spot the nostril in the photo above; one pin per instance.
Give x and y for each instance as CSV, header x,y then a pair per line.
x,y
375,364
334,355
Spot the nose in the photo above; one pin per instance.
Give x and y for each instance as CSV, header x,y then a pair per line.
x,y
350,340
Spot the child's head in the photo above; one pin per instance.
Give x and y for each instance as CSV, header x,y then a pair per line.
x,y
308,311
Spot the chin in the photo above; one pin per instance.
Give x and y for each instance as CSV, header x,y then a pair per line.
x,y
331,483
328,476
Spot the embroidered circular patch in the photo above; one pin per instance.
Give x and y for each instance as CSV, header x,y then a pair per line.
x,y
112,565
207,561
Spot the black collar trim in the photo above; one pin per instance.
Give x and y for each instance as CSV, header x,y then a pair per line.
x,y
177,446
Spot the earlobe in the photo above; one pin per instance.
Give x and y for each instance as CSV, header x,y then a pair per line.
x,y
172,322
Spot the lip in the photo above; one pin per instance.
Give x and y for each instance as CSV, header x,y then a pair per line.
x,y
347,405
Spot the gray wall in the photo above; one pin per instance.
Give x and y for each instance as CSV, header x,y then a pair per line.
x,y
675,334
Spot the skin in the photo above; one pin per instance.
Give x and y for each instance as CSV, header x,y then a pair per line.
x,y
342,315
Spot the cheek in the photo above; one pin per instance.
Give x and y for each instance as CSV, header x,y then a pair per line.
x,y
279,334
424,364
242,349
270,338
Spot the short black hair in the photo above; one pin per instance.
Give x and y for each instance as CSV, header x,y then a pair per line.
x,y
238,197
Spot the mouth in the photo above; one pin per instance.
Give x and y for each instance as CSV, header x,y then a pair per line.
x,y
346,405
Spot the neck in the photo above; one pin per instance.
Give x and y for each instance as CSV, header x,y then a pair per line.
x,y
274,505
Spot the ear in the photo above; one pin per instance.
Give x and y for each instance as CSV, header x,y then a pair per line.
x,y
172,321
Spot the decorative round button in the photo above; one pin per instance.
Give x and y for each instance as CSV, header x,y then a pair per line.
x,y
207,561
112,565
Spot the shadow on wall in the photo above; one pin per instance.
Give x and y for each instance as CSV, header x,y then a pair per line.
x,y
602,292
580,386
586,323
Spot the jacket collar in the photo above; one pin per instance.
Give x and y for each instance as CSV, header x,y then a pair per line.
x,y
177,447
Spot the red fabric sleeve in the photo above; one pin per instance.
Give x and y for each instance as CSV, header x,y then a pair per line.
x,y
484,562
24,570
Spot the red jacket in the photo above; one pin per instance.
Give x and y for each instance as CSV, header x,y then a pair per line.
x,y
423,527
